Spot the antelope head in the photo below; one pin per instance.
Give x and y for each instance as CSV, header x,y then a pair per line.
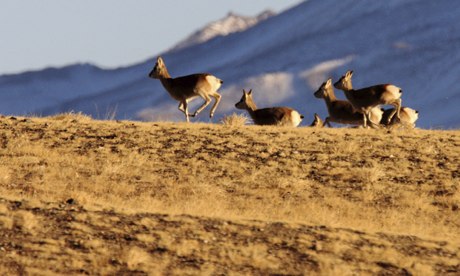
x,y
158,70
246,101
317,122
323,90
344,83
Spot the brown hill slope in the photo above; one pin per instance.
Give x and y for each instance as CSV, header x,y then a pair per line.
x,y
88,196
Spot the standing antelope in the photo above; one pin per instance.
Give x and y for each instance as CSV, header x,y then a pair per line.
x,y
342,112
186,88
281,116
407,117
364,99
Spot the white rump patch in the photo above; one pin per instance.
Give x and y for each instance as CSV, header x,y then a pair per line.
x,y
411,114
295,118
376,114
394,90
215,82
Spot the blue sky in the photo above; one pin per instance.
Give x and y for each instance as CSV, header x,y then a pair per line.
x,y
109,33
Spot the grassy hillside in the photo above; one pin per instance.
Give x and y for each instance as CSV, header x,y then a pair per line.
x,y
85,196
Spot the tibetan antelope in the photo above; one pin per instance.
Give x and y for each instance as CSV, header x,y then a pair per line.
x,y
407,117
342,112
364,99
317,122
186,88
280,116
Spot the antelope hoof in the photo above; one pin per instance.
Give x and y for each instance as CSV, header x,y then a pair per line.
x,y
211,115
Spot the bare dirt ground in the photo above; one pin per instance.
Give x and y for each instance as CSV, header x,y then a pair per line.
x,y
79,196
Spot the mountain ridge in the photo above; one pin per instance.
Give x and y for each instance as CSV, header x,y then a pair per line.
x,y
229,24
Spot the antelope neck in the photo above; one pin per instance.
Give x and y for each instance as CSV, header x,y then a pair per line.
x,y
330,97
349,88
251,106
164,73
165,78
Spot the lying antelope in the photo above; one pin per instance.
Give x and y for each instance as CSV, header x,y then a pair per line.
x,y
280,116
317,122
186,88
364,99
407,117
342,112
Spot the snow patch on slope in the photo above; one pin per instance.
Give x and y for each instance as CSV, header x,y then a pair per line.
x,y
230,24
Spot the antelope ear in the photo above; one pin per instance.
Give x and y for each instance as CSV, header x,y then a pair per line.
x,y
159,60
250,92
329,81
349,73
244,92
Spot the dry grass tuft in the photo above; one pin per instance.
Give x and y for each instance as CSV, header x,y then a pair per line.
x,y
71,116
6,222
26,221
234,120
137,259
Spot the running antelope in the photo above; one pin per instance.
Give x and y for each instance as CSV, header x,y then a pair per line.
x,y
186,88
364,99
407,117
281,116
342,112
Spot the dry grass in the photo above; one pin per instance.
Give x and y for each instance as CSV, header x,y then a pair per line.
x,y
235,120
378,193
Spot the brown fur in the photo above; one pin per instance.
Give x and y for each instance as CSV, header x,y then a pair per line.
x,y
363,100
406,119
341,112
182,88
185,88
283,116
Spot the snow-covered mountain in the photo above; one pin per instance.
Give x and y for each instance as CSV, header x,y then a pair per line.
x,y
284,58
230,24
